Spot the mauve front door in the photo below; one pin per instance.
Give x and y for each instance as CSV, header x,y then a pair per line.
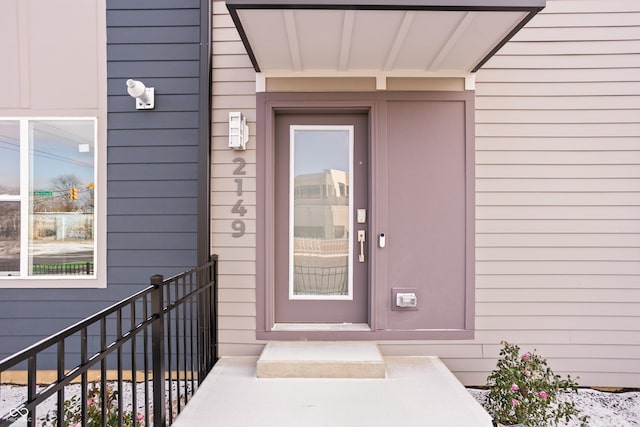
x,y
321,227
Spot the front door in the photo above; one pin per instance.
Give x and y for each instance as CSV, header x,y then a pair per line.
x,y
321,227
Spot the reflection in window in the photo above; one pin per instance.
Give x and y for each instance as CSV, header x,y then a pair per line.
x,y
343,189
9,158
56,201
320,210
9,238
9,197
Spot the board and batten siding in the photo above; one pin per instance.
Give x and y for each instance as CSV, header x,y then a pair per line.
x,y
557,197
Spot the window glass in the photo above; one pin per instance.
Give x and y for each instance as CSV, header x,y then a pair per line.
x,y
9,157
321,162
9,198
9,238
58,201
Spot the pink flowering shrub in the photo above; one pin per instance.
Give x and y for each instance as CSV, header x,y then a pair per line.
x,y
73,411
524,390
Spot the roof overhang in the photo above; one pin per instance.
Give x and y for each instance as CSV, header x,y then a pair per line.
x,y
410,38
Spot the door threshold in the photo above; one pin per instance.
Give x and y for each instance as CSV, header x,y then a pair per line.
x,y
321,327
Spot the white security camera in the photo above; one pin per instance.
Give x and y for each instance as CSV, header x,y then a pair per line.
x,y
144,95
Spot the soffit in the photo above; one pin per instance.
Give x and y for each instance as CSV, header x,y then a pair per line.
x,y
413,38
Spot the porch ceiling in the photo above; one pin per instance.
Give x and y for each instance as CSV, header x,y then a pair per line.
x,y
375,37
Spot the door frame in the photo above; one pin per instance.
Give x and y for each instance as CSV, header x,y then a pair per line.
x,y
353,307
269,104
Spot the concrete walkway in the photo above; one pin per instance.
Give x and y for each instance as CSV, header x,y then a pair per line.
x,y
417,391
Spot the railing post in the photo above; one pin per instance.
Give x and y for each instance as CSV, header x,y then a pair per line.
x,y
213,309
157,349
202,325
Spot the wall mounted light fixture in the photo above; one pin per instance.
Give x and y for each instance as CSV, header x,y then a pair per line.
x,y
238,131
145,96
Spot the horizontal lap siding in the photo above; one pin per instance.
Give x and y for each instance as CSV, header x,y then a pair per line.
x,y
557,202
152,155
558,195
233,88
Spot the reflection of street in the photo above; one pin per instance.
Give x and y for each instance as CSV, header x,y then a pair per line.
x,y
74,249
321,279
49,257
62,257
57,251
320,266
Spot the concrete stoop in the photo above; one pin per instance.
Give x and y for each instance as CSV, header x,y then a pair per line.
x,y
336,384
321,359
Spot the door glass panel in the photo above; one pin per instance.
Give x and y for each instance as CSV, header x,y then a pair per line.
x,y
321,211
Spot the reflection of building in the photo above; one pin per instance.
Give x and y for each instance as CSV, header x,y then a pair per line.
x,y
9,237
321,205
321,233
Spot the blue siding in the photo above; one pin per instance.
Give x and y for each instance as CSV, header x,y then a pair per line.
x,y
162,35
153,168
152,155
133,138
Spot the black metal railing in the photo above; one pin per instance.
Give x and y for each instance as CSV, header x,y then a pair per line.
x,y
77,268
65,269
107,365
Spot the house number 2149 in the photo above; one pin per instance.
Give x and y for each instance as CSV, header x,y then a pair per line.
x,y
238,225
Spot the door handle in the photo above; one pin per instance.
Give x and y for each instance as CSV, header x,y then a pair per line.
x,y
361,240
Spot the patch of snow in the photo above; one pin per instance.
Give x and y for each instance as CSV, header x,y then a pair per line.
x,y
12,397
604,409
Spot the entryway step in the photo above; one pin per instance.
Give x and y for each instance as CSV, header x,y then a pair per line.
x,y
321,359
417,391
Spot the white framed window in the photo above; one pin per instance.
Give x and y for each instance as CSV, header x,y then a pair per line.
x,y
48,199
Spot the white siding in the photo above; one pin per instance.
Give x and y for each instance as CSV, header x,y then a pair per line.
x,y
558,197
558,194
233,88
